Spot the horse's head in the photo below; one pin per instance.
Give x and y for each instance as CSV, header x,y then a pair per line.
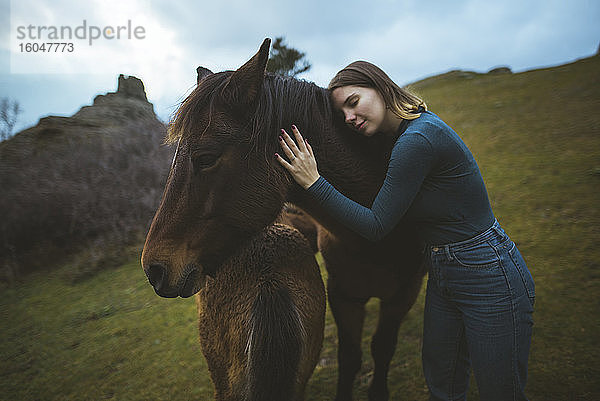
x,y
222,188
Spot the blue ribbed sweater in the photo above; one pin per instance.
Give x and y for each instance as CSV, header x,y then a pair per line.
x,y
432,180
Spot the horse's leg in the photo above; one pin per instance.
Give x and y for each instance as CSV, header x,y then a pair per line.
x,y
383,344
349,315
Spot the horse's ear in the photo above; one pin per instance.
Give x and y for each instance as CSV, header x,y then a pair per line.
x,y
202,73
245,83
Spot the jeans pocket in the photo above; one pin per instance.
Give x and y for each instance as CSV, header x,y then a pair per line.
x,y
481,255
524,272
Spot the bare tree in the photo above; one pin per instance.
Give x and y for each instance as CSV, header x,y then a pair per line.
x,y
9,112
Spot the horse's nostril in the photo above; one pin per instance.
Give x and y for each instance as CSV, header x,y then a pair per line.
x,y
189,285
156,275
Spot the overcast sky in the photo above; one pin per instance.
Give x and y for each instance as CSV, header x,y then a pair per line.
x,y
408,39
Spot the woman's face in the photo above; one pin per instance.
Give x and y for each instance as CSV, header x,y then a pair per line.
x,y
363,108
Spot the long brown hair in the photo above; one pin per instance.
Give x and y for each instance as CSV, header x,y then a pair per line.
x,y
362,73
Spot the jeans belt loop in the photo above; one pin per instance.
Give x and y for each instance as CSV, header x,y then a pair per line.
x,y
499,231
447,251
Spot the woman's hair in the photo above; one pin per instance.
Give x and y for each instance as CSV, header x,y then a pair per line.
x,y
362,73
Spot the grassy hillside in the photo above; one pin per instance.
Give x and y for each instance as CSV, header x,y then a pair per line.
x,y
536,138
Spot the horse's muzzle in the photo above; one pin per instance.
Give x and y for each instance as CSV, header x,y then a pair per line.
x,y
186,286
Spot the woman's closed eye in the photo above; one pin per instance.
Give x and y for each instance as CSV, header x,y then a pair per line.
x,y
352,100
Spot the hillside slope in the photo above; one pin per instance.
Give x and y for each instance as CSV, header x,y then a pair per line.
x,y
536,138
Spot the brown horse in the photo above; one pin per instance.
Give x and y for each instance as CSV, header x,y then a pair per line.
x,y
225,185
261,319
297,218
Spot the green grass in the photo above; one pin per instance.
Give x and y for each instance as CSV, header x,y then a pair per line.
x,y
107,338
536,138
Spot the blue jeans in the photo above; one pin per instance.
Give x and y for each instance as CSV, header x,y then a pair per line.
x,y
478,313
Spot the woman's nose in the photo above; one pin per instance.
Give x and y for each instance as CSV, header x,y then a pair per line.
x,y
350,117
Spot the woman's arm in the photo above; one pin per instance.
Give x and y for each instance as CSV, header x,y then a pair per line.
x,y
410,162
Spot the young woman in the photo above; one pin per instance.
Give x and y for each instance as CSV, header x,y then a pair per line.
x,y
480,294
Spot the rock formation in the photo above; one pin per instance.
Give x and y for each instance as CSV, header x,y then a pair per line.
x,y
500,70
93,178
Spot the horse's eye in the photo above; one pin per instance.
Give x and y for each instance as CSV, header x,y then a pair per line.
x,y
203,161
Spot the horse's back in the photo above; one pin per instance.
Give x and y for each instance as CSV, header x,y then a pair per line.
x,y
301,221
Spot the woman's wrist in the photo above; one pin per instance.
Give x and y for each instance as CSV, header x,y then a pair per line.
x,y
310,183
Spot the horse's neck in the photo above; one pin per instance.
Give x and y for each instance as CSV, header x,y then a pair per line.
x,y
355,166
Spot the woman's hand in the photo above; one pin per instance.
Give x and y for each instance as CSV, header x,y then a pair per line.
x,y
302,165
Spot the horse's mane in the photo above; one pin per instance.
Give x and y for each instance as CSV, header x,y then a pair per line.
x,y
185,118
282,100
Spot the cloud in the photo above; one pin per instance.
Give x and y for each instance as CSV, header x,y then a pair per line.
x,y
409,39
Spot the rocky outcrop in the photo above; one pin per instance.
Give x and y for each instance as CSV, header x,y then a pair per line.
x,y
92,178
131,86
128,102
500,70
